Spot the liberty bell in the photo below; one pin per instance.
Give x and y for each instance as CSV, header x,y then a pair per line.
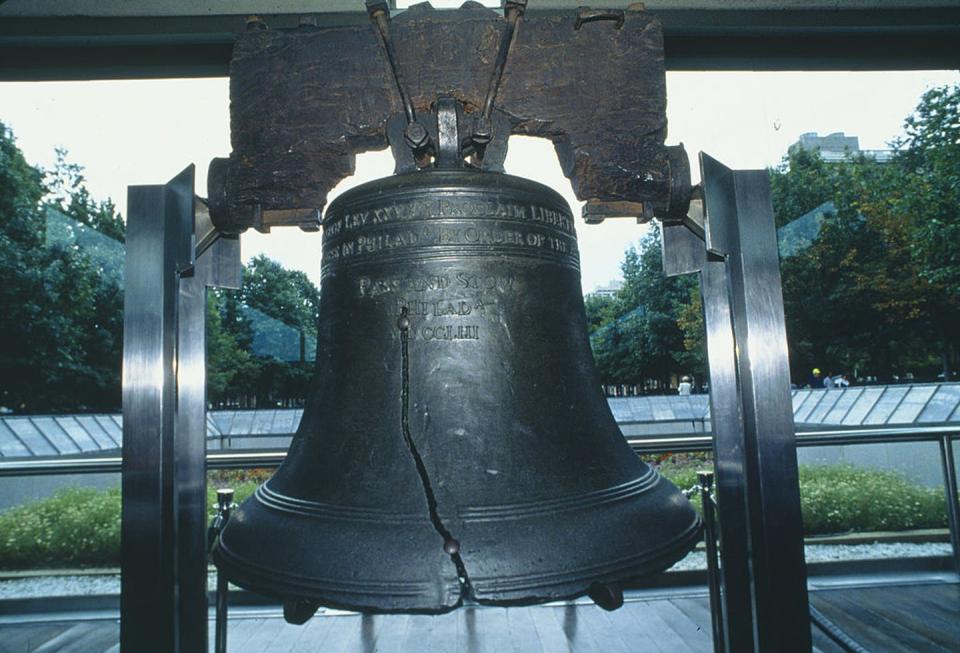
x,y
456,445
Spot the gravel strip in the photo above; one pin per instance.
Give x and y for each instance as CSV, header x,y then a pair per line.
x,y
82,585
834,552
96,585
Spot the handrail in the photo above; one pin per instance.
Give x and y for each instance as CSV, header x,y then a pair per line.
x,y
246,459
704,442
686,442
50,466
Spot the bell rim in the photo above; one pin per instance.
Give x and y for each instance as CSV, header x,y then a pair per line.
x,y
255,577
419,594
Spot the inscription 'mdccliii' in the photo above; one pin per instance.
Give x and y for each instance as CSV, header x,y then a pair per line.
x,y
449,207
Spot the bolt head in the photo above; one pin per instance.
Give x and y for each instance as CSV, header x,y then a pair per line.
x,y
255,23
482,132
416,135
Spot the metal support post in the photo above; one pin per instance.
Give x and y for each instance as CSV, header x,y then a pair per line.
x,y
705,481
684,252
172,255
950,487
761,538
225,506
739,224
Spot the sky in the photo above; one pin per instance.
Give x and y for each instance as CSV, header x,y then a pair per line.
x,y
129,132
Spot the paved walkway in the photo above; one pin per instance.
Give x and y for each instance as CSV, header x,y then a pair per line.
x,y
905,613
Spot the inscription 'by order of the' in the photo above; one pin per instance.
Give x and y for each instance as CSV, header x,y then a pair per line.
x,y
374,241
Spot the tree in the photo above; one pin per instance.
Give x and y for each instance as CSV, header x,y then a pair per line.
x,y
856,300
231,367
67,192
929,157
637,337
239,375
285,295
60,325
929,199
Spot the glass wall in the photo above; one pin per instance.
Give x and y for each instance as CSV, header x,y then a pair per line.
x,y
866,285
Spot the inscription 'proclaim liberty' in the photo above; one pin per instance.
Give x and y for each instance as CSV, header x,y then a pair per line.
x,y
448,207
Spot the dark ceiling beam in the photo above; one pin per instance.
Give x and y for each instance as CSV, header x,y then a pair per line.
x,y
60,47
867,39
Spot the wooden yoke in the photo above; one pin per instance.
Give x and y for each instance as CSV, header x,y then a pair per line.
x,y
304,102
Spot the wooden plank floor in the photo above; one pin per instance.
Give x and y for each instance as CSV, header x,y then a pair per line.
x,y
888,618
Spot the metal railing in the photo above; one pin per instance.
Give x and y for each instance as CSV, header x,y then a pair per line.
x,y
687,442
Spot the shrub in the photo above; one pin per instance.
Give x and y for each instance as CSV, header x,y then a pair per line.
x,y
237,477
81,526
841,498
844,498
683,474
74,527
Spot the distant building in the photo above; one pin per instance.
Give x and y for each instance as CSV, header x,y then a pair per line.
x,y
610,289
837,147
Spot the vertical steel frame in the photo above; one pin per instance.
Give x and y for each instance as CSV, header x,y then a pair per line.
x,y
765,606
172,256
950,487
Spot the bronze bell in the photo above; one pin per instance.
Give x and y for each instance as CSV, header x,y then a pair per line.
x,y
456,445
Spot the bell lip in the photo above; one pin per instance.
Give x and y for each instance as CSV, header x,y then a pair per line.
x,y
675,551
443,179
257,579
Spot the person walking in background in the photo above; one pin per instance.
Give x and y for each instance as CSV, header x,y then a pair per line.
x,y
840,381
685,387
815,380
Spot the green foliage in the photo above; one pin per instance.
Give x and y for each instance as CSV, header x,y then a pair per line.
x,y
601,310
61,327
844,498
929,193
78,527
242,487
81,526
230,366
875,293
286,295
68,194
637,336
841,498
61,323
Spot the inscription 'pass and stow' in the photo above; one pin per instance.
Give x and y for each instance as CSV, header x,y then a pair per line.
x,y
450,306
